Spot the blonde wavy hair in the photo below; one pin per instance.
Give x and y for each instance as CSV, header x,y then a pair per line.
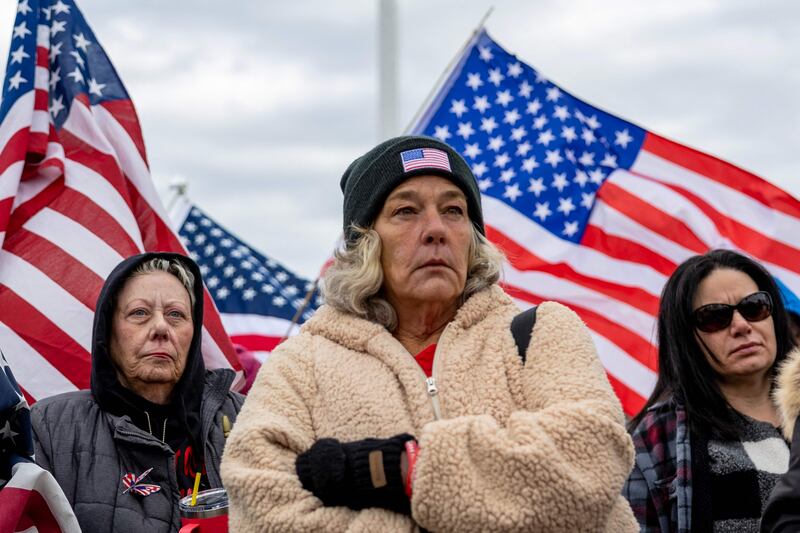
x,y
354,282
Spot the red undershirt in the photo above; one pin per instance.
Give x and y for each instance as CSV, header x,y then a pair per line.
x,y
425,359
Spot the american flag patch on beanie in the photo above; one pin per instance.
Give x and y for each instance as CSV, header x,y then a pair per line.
x,y
424,158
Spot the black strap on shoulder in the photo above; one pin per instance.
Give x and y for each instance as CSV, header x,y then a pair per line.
x,y
522,328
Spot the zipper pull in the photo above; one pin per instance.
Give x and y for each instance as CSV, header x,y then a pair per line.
x,y
431,384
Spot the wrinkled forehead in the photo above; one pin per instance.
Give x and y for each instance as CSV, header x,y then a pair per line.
x,y
147,285
725,286
419,186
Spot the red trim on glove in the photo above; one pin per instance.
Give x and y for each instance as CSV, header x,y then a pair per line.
x,y
412,451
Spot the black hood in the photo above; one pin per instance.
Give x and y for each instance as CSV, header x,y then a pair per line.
x,y
106,388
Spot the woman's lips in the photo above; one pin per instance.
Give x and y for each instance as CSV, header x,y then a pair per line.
x,y
746,349
434,263
160,355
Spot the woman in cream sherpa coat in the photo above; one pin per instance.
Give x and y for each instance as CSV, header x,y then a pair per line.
x,y
414,346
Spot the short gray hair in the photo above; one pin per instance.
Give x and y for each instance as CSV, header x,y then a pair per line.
x,y
353,283
170,266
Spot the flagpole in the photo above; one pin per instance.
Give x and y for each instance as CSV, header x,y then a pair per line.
x,y
300,309
387,69
448,69
178,186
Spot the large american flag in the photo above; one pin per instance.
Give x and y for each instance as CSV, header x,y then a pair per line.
x,y
260,301
30,498
596,212
76,197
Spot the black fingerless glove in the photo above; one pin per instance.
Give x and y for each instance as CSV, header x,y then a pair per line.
x,y
358,475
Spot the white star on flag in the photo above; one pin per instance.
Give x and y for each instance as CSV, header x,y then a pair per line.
x,y
60,7
16,80
442,133
512,192
465,129
7,433
57,27
76,75
542,210
474,81
488,124
514,69
481,103
565,205
458,107
82,42
96,88
623,138
57,106
24,8
553,158
18,55
560,181
472,151
21,31
570,228
78,58
537,186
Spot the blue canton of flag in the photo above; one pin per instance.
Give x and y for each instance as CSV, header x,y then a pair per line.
x,y
30,498
256,296
78,65
16,442
529,143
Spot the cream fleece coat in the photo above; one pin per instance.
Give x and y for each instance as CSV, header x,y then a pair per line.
x,y
787,392
539,447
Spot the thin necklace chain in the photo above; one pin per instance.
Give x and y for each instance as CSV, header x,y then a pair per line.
x,y
150,428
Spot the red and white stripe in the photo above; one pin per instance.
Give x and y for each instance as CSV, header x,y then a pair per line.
x,y
65,223
32,501
259,334
673,203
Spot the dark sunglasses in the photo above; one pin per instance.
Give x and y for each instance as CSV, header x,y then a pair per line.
x,y
714,317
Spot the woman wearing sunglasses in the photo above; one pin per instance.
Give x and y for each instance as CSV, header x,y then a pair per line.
x,y
708,449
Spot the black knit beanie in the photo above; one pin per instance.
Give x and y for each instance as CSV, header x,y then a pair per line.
x,y
370,179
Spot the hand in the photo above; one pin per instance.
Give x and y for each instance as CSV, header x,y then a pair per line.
x,y
358,475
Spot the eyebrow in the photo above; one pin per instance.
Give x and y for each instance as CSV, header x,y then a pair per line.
x,y
150,302
414,195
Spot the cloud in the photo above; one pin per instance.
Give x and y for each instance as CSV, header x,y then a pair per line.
x,y
261,105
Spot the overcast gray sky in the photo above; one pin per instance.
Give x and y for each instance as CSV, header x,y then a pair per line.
x,y
260,106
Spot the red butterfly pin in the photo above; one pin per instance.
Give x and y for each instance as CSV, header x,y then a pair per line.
x,y
133,484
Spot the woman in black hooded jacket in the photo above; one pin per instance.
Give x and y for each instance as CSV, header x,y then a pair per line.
x,y
153,407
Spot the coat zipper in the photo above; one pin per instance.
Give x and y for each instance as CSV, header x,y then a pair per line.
x,y
433,390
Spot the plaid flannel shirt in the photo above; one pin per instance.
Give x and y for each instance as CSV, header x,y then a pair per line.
x,y
659,488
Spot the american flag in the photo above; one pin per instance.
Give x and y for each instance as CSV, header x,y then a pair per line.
x,y
257,297
596,212
424,158
76,198
30,498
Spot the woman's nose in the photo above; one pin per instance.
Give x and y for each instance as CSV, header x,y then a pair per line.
x,y
160,325
434,230
739,323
